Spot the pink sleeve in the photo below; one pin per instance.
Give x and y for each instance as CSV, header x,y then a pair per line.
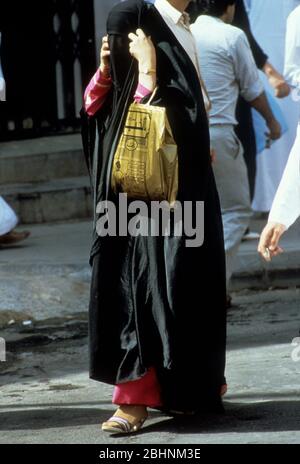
x,y
98,88
141,92
96,92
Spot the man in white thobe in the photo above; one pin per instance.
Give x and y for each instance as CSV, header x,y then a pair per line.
x,y
268,20
286,206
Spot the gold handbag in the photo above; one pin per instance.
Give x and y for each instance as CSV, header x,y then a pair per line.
x,y
145,164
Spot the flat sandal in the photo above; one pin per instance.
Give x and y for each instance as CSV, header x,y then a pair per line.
x,y
120,425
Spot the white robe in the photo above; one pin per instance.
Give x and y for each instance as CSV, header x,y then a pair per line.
x,y
8,218
2,81
286,206
268,22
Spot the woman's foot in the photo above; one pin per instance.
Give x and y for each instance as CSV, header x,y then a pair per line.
x,y
127,419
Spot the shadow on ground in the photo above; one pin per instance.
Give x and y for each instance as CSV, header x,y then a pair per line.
x,y
270,416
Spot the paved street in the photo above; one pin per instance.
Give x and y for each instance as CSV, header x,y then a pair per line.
x,y
46,396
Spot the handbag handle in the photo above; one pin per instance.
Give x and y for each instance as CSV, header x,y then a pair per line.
x,y
152,97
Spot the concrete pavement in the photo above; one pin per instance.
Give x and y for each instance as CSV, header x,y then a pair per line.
x,y
66,246
46,396
49,273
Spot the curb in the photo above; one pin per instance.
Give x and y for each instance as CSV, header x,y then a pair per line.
x,y
266,279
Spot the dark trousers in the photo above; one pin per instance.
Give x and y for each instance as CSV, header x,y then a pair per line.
x,y
245,132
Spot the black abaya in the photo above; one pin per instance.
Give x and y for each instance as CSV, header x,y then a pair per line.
x,y
154,301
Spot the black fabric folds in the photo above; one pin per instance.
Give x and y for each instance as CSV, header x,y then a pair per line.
x,y
241,20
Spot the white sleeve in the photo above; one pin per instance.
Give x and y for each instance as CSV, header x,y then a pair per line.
x,y
286,206
2,81
245,69
292,49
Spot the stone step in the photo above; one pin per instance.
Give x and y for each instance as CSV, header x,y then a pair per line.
x,y
55,200
42,159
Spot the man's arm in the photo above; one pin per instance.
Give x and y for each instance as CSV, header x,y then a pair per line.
x,y
251,87
261,105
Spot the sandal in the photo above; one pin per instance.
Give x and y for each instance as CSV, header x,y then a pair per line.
x,y
120,425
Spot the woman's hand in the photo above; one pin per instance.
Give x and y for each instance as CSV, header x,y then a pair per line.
x,y
105,57
269,240
142,49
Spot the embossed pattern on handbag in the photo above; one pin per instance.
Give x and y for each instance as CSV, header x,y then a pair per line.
x,y
145,164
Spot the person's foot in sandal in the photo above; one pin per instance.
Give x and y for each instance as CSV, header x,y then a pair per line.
x,y
127,419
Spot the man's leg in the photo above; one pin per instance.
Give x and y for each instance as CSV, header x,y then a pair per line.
x,y
233,187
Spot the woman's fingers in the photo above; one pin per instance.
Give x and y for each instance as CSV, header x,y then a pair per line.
x,y
137,43
140,33
132,36
105,56
142,49
105,44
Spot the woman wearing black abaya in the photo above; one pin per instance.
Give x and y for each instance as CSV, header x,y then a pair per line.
x,y
157,308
